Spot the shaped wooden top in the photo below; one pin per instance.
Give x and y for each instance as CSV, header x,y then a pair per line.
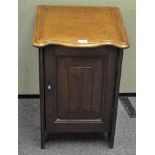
x,y
76,26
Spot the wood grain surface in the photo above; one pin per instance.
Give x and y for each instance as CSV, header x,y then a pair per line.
x,y
77,26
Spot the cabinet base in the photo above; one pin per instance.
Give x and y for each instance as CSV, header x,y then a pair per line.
x,y
109,137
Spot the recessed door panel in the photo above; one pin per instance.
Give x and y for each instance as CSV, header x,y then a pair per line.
x,y
79,88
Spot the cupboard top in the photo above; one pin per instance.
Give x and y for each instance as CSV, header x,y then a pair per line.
x,y
77,26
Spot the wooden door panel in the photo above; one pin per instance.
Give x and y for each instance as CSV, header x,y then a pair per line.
x,y
78,100
79,88
83,88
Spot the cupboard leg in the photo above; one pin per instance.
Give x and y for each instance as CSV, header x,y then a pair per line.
x,y
42,143
43,138
111,140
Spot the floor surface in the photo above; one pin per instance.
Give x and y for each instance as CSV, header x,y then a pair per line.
x,y
29,135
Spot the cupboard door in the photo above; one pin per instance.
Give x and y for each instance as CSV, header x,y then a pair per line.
x,y
80,98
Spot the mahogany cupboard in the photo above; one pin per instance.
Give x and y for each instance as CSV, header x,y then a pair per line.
x,y
80,57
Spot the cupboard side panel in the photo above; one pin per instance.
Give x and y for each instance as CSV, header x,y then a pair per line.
x,y
108,86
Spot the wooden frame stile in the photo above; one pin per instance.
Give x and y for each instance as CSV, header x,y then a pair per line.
x,y
42,97
115,99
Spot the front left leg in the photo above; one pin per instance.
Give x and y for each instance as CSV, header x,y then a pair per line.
x,y
111,140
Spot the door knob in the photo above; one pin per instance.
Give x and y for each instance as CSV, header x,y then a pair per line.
x,y
49,87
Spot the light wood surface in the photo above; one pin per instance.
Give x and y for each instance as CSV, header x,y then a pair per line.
x,y
77,26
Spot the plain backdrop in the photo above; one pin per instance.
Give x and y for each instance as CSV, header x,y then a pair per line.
x,y
145,77
28,55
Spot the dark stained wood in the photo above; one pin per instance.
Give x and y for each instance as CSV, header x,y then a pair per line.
x,y
115,98
81,95
50,79
42,97
81,89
